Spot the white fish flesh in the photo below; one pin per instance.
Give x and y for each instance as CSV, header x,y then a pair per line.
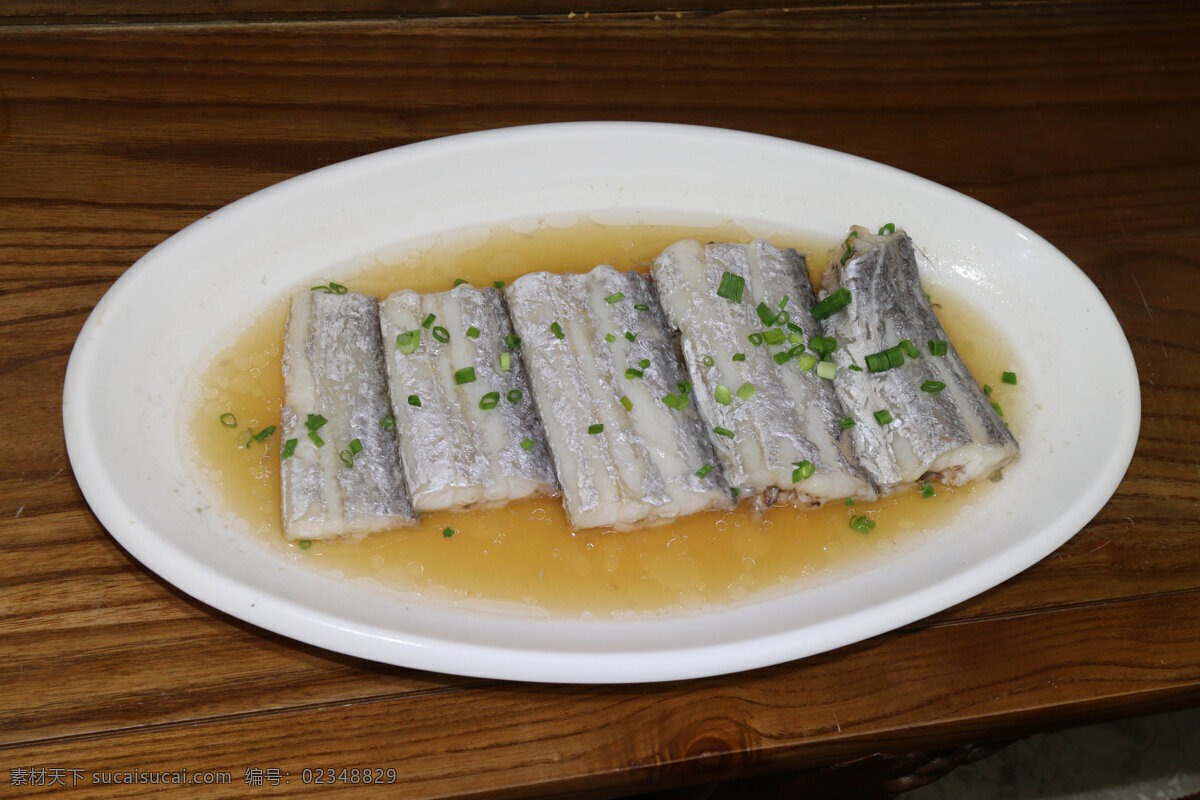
x,y
934,421
469,432
601,363
343,477
775,422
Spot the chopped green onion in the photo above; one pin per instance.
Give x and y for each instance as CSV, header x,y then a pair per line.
x,y
608,337
631,373
755,339
932,387
332,288
707,468
289,447
615,297
387,422
774,336
527,444
938,347
849,247
784,356
723,395
862,524
887,230
641,307
464,375
999,411
425,323
926,489
264,434
512,341
846,422
707,361
854,368
909,349
803,469
746,390
883,416
795,338
472,332
448,532
987,389
441,334
317,440
557,330
807,361
822,345
1009,377
719,431
731,287
505,360
304,544
514,395
630,336
498,284
885,359
407,342
228,420
414,400
685,387
347,458
835,301
675,401
458,282
783,318
826,370
626,403
766,314
736,491
595,428
794,328
356,446
849,501
489,400
314,421
644,363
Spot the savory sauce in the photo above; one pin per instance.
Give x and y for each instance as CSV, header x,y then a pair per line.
x,y
525,555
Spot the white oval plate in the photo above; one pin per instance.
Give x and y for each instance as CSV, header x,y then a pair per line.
x,y
128,368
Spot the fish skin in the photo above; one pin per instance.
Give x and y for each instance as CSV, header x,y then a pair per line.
x,y
455,454
333,366
643,467
793,414
954,436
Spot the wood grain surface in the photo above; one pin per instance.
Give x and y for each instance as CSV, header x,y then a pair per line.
x,y
1078,119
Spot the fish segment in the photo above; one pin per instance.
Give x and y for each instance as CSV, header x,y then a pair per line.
x,y
743,315
342,477
628,445
918,412
469,433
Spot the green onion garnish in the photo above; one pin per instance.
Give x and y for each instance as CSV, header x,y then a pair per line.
x,y
557,330
631,373
932,387
987,389
746,390
784,356
846,422
498,284
387,422
755,339
464,375
926,489
644,363
826,370
783,318
527,444
849,247
675,401
489,400
731,287
414,400
854,368
289,447
304,544
472,332
766,314
317,440
630,336
807,361
774,336
608,337
999,411
441,334
885,359
314,421
615,297
862,524
626,403
707,361
641,307
887,230
448,532
356,446
514,396
685,387
407,342
723,395
512,341
264,434
883,416
347,458
458,282
795,338
849,501
1009,377
425,323
739,356
938,347
595,428
822,345
803,469
909,349
228,420
505,360
331,288
719,431
837,300
736,491
707,468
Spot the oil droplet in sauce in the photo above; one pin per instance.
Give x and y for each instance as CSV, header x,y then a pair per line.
x,y
526,553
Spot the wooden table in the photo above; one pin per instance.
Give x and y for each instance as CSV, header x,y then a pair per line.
x,y
1081,120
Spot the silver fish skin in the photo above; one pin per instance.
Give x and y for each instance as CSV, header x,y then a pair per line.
x,y
651,462
792,415
333,367
953,436
457,455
